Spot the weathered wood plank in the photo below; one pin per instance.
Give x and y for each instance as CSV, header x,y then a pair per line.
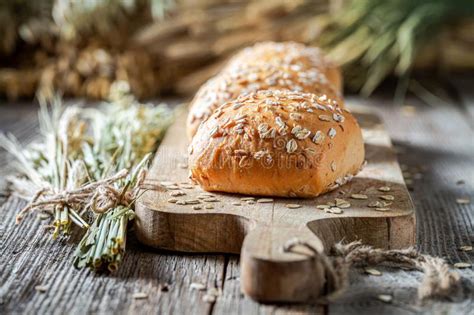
x,y
29,258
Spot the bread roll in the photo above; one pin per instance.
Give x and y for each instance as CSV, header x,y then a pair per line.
x,y
288,53
277,143
243,78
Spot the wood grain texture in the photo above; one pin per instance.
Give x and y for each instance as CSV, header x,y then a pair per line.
x,y
259,231
29,258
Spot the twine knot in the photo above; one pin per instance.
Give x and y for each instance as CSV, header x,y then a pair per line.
x,y
100,196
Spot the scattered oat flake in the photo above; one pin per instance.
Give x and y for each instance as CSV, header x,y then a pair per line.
x,y
197,207
208,298
292,206
177,193
359,196
167,183
172,200
247,198
385,298
291,146
382,209
332,133
41,288
197,286
384,188
140,295
264,200
462,265
341,203
187,186
213,291
209,206
466,248
324,118
375,204
43,216
322,207
211,200
193,201
463,201
181,202
372,272
236,204
387,197
207,195
334,210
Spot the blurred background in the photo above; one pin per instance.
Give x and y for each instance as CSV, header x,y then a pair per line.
x,y
161,47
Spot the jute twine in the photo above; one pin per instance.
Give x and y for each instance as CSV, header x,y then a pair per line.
x,y
438,281
98,196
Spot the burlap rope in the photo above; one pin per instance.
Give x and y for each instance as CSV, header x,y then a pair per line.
x,y
438,281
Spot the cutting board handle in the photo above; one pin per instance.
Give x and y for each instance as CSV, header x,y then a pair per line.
x,y
271,274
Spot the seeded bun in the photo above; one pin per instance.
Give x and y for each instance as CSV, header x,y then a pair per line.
x,y
277,143
242,78
291,54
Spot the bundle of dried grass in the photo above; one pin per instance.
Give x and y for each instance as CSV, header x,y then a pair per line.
x,y
81,51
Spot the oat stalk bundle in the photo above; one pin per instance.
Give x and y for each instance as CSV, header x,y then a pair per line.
x,y
89,165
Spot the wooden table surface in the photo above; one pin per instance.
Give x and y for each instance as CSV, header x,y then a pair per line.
x,y
435,143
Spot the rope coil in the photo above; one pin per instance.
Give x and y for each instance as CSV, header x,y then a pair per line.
x,y
438,281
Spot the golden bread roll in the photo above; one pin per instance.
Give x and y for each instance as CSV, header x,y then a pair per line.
x,y
277,143
244,78
291,54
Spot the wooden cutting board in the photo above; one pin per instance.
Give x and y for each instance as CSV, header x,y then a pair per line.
x,y
223,223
